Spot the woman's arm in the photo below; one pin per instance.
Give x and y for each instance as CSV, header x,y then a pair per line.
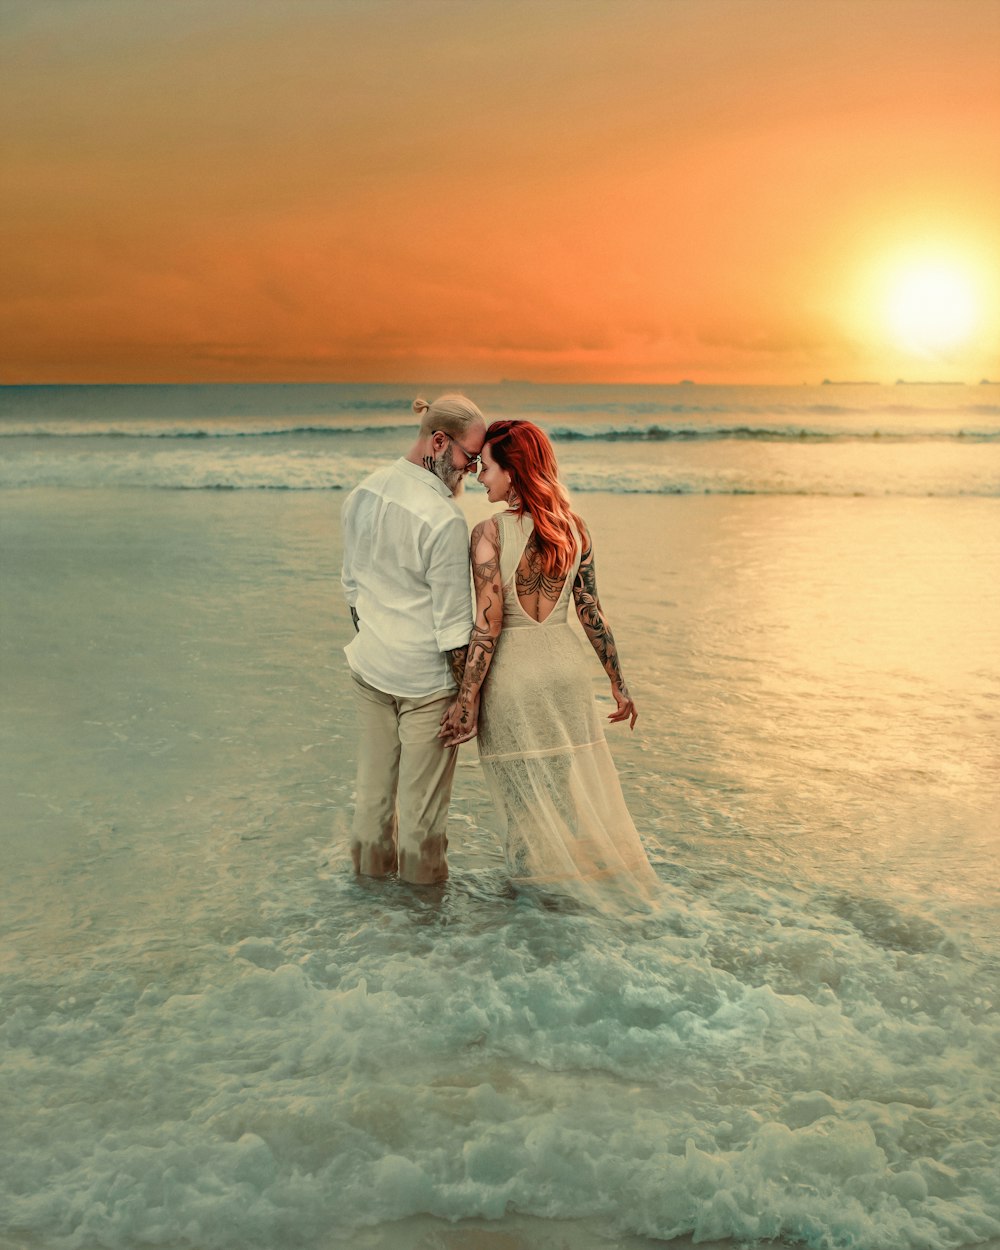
x,y
461,722
597,629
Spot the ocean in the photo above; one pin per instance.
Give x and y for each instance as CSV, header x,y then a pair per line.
x,y
212,1036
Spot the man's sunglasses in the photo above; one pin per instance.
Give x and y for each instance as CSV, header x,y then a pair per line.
x,y
471,461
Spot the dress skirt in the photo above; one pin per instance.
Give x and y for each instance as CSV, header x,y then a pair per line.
x,y
550,772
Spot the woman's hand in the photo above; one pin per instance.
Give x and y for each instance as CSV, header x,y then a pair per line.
x,y
626,709
460,723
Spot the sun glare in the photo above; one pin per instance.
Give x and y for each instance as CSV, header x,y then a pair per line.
x,y
926,306
930,306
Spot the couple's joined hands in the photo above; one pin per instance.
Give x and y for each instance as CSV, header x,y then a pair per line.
x,y
460,723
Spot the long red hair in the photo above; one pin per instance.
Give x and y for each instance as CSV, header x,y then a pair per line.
x,y
526,453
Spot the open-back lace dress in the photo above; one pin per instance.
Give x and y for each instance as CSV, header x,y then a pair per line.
x,y
543,750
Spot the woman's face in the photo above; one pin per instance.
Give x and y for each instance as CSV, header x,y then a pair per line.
x,y
493,478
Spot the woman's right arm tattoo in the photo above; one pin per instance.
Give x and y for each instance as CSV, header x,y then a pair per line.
x,y
489,607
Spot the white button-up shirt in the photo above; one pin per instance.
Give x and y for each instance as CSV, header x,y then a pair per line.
x,y
406,574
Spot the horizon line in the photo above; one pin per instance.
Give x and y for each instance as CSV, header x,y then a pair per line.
x,y
687,382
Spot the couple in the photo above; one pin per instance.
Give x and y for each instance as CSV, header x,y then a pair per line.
x,y
523,684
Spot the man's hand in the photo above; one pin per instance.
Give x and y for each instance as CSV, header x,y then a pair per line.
x,y
460,723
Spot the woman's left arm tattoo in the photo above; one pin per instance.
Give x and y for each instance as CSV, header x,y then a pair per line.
x,y
596,627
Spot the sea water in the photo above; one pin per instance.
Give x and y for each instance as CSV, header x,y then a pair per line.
x,y
214,1036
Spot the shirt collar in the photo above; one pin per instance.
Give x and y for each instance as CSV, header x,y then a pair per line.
x,y
420,474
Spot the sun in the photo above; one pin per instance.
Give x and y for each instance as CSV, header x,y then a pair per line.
x,y
930,306
925,303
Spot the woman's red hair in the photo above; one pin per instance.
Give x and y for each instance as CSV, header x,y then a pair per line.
x,y
526,453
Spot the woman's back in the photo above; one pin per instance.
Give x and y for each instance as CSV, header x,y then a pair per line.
x,y
542,745
528,591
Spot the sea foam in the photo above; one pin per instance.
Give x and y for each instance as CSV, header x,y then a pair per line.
x,y
554,1064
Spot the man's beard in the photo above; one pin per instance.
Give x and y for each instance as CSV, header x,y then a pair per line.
x,y
444,468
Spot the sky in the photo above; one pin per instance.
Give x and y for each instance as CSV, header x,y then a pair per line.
x,y
760,191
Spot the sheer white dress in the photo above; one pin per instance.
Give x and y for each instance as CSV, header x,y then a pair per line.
x,y
544,754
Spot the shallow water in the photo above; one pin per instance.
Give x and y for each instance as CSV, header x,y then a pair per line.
x,y
215,1037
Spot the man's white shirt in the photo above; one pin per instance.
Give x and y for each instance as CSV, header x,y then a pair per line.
x,y
406,575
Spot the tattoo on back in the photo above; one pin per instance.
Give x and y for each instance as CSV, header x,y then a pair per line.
x,y
531,578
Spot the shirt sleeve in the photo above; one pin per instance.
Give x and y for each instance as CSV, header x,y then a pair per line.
x,y
450,581
347,579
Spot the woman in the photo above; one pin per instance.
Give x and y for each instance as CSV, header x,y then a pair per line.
x,y
541,741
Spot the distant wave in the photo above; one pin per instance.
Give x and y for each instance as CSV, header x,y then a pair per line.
x,y
81,430
675,440
559,433
766,433
666,488
654,409
266,472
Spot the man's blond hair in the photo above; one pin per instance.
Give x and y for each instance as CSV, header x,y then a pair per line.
x,y
452,414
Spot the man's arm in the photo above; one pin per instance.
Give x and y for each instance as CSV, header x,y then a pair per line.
x,y
350,586
456,661
451,597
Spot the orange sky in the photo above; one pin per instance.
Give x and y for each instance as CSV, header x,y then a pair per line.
x,y
464,190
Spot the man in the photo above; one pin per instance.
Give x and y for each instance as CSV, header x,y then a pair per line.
x,y
406,578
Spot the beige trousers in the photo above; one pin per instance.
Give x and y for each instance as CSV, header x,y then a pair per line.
x,y
405,774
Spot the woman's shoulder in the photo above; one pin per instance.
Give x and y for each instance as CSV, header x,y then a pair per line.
x,y
489,527
486,531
